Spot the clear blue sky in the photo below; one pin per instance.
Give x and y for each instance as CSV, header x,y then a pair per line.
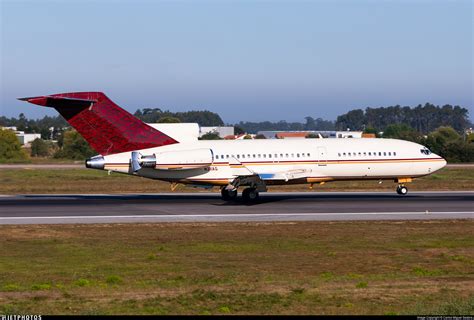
x,y
246,60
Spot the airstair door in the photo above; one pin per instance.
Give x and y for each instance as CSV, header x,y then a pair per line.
x,y
322,156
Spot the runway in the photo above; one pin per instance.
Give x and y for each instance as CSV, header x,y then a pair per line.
x,y
208,207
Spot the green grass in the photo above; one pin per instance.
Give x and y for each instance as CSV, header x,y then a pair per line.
x,y
239,268
95,181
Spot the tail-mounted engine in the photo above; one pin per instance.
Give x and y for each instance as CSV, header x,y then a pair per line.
x,y
173,160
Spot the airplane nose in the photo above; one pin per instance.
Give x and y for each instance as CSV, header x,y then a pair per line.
x,y
441,164
444,163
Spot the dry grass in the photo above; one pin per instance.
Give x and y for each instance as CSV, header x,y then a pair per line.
x,y
23,181
239,268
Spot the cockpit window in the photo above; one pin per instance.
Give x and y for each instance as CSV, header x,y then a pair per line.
x,y
425,151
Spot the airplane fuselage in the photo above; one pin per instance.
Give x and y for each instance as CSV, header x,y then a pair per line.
x,y
292,161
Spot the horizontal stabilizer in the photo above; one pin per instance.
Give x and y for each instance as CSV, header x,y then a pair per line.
x,y
58,102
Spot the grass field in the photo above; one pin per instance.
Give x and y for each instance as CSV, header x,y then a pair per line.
x,y
13,181
405,267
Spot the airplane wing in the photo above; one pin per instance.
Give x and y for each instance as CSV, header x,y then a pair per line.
x,y
286,175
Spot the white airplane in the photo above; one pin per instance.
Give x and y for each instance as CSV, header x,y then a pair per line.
x,y
171,152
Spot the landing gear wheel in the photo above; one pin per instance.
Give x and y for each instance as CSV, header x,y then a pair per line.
x,y
250,194
228,195
402,190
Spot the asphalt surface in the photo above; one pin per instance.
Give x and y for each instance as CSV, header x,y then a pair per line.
x,y
207,207
81,165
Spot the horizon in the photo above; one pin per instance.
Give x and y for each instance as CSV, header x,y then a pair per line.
x,y
246,61
55,113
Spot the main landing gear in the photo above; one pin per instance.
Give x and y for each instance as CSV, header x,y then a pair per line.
x,y
402,190
228,195
248,195
254,184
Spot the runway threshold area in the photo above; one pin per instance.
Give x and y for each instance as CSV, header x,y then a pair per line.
x,y
208,207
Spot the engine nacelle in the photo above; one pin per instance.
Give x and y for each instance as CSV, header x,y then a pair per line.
x,y
173,160
184,159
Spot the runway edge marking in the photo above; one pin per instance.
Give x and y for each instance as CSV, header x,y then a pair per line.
x,y
244,215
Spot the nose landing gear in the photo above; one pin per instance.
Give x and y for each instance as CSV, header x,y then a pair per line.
x,y
402,190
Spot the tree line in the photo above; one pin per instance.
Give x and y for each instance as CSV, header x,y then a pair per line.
x,y
442,129
444,141
156,115
310,124
423,119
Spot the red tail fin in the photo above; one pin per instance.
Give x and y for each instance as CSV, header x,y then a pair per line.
x,y
105,126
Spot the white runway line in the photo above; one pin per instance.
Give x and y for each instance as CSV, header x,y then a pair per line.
x,y
217,195
230,215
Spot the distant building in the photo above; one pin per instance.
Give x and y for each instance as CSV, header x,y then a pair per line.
x,y
349,134
291,135
369,135
239,136
188,132
221,131
182,132
26,138
303,134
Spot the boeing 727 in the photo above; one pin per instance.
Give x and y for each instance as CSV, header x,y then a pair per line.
x,y
127,145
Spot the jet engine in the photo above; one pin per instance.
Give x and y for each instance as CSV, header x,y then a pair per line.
x,y
173,160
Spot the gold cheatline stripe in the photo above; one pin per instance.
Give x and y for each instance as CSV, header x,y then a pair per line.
x,y
118,165
329,162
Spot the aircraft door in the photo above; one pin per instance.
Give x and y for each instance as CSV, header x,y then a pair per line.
x,y
322,156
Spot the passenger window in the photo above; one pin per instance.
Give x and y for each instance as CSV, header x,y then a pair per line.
x,y
389,153
298,155
384,153
281,155
292,155
264,155
243,156
254,155
380,153
394,153
370,153
238,156
259,155
309,154
287,155
360,154
227,156
270,155
365,153
344,154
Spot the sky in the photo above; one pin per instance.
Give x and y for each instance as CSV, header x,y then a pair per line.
x,y
246,60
